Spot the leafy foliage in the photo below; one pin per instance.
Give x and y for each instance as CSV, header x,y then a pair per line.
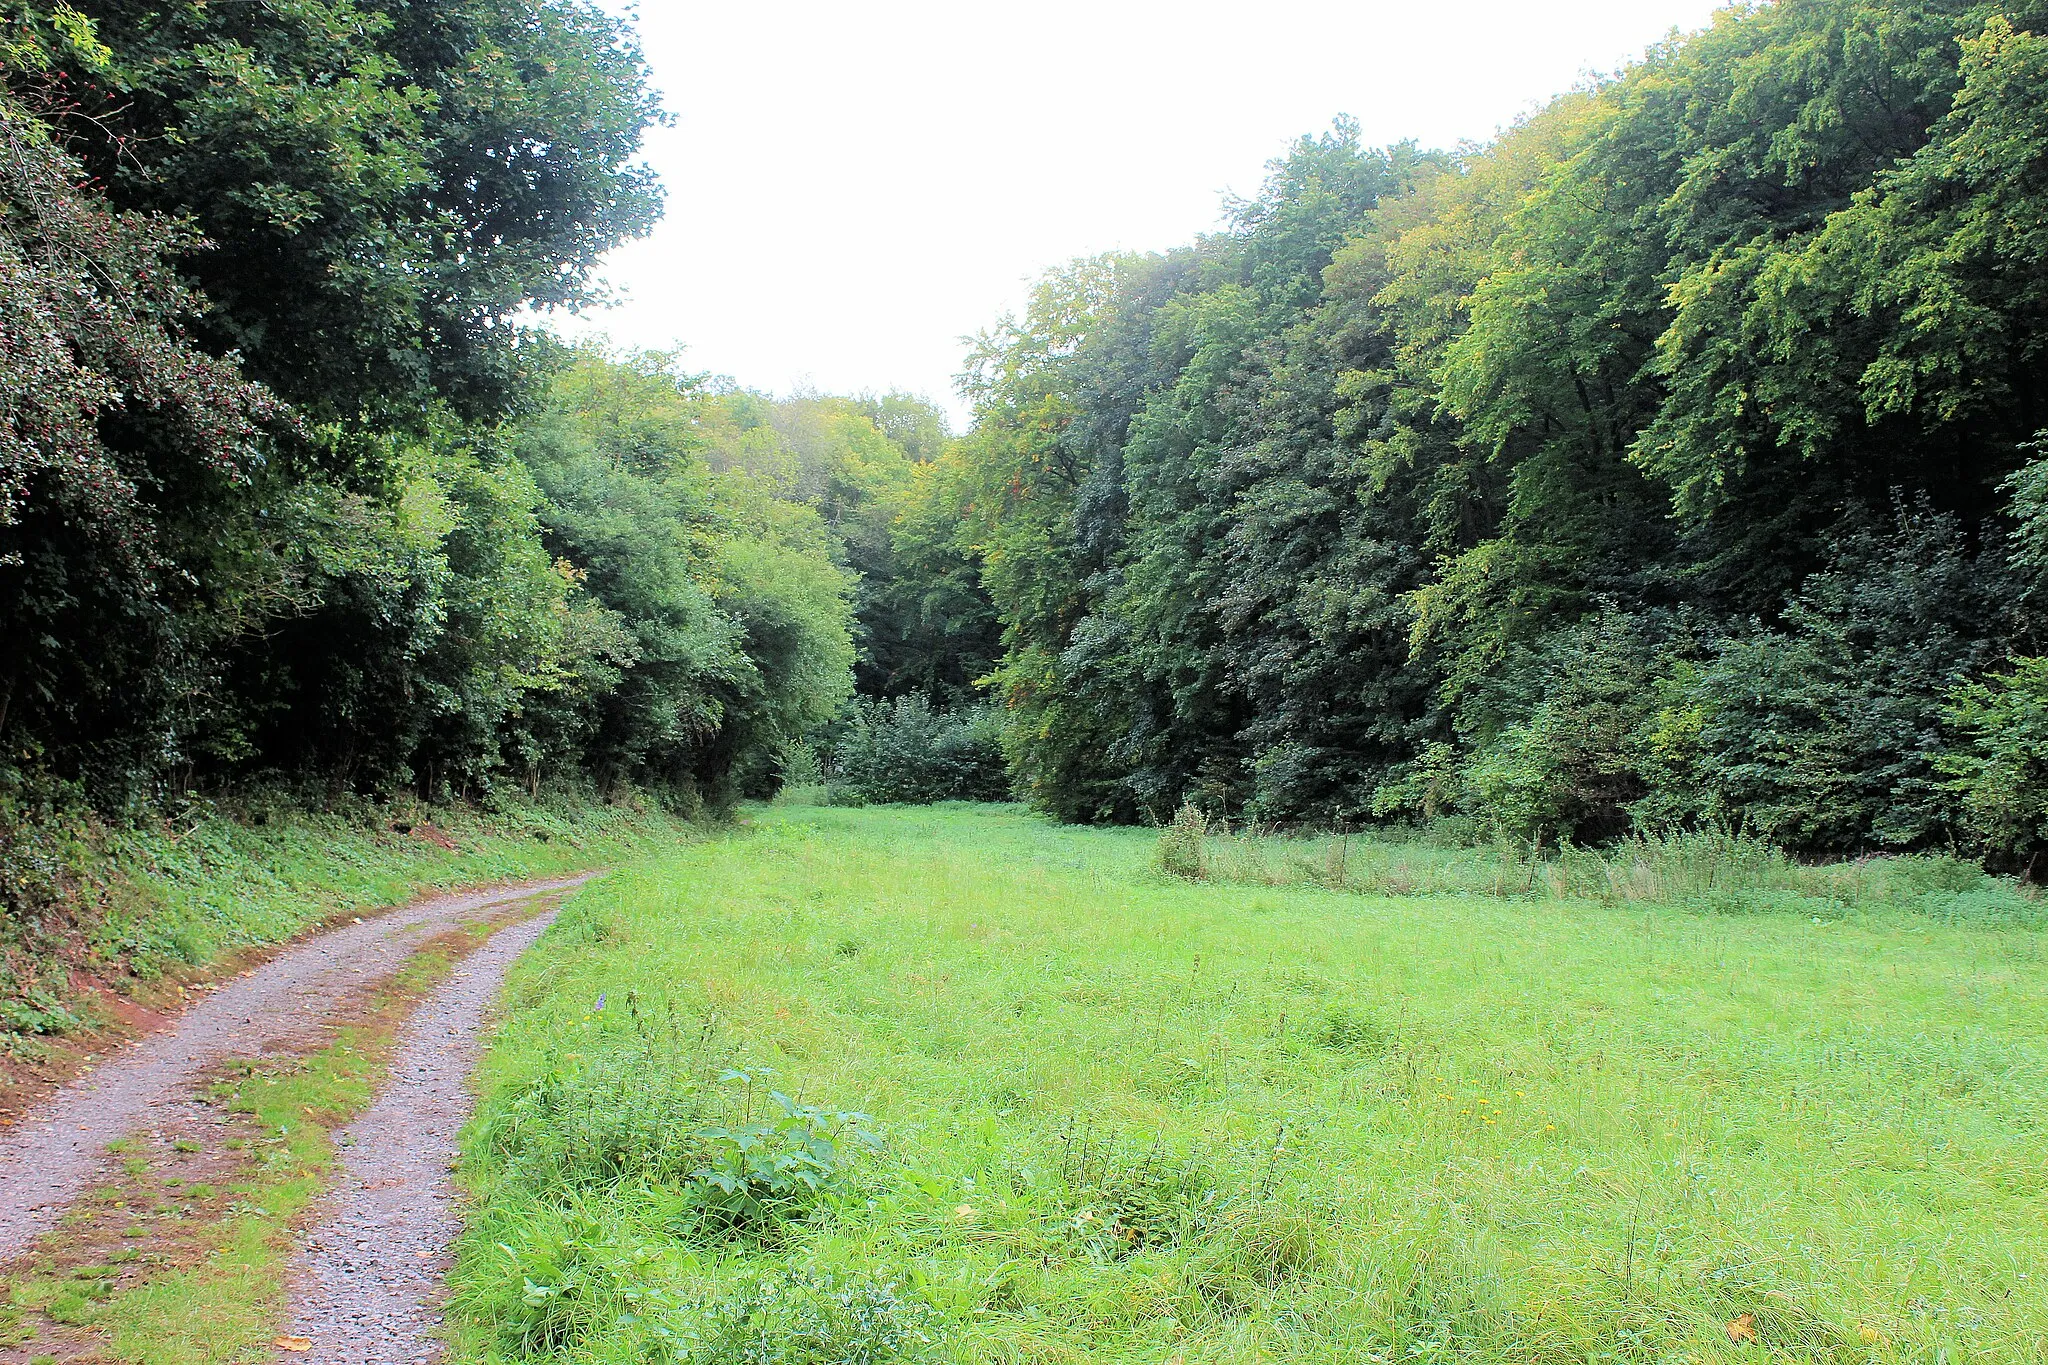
x,y
129,460
756,1176
1667,462
907,751
2000,769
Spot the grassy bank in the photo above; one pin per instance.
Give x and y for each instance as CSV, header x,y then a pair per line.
x,y
1120,1117
136,909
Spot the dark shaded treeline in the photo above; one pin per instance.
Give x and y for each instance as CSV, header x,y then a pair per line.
x,y
291,492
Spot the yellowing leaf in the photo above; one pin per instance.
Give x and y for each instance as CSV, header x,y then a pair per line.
x,y
293,1343
1742,1331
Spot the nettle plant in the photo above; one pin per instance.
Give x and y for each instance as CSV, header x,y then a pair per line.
x,y
758,1176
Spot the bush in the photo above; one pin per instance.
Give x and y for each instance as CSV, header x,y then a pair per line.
x,y
905,751
1999,765
1823,735
1573,766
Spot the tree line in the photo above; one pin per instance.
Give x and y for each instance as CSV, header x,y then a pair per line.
x,y
292,490
1673,459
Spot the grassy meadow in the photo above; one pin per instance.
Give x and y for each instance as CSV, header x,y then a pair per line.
x,y
955,1084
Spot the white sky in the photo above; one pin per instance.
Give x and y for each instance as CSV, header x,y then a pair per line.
x,y
853,187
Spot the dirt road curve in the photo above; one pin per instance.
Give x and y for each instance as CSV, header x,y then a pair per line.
x,y
51,1157
366,1282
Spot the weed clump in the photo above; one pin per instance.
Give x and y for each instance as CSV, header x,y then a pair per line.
x,y
618,1116
555,1282
635,1116
806,1317
755,1178
1183,850
1125,1200
1254,1251
1345,1029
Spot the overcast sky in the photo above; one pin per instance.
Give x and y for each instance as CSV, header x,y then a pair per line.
x,y
855,186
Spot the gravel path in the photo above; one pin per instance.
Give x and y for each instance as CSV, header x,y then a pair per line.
x,y
50,1158
367,1279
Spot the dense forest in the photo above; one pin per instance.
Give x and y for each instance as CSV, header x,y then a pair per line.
x,y
1672,460
291,490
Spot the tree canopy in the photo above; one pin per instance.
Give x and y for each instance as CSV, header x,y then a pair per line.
x,y
1659,462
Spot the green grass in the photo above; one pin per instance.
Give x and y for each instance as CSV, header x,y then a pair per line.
x,y
1127,1118
1710,871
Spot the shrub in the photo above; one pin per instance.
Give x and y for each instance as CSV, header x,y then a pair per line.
x,y
905,751
1182,850
1999,766
1823,735
1571,767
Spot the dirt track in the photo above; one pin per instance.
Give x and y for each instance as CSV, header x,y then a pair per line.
x,y
60,1150
366,1281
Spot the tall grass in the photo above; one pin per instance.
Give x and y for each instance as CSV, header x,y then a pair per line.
x,y
1707,870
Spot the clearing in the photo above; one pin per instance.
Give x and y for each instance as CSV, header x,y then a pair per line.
x,y
1118,1117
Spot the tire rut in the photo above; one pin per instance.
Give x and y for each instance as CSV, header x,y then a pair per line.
x,y
367,1278
60,1150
